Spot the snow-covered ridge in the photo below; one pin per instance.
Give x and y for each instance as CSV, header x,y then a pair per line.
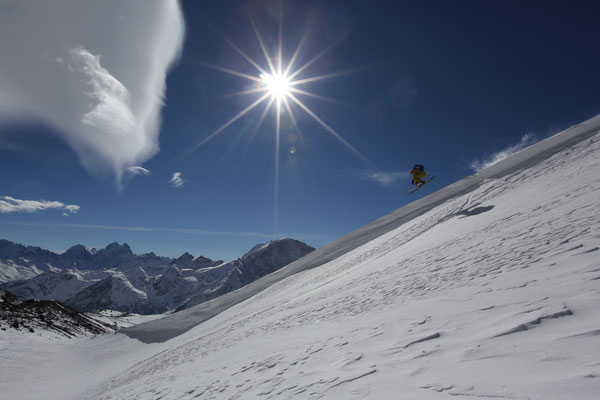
x,y
171,326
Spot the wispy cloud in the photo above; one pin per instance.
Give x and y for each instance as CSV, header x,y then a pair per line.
x,y
70,209
98,83
10,204
189,231
527,140
176,180
139,170
384,178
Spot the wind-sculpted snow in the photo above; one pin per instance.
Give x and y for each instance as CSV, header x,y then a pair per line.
x,y
510,168
491,293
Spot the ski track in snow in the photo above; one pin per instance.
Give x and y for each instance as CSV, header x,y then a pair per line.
x,y
492,294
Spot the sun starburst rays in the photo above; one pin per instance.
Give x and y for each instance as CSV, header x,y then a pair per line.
x,y
278,86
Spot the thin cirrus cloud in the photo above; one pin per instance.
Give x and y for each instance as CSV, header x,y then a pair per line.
x,y
478,164
10,204
190,231
176,180
94,71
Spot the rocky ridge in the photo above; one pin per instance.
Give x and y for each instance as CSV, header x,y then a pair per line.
x,y
31,316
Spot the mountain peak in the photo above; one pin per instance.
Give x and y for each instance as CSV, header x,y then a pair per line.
x,y
116,245
187,257
117,249
263,246
273,244
78,251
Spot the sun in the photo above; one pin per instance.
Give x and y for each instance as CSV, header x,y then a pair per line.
x,y
280,86
277,85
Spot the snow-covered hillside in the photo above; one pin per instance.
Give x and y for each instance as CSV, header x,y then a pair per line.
x,y
488,288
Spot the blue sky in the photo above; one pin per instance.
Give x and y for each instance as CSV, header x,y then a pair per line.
x,y
445,84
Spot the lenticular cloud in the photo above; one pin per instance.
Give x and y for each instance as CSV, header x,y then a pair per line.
x,y
93,70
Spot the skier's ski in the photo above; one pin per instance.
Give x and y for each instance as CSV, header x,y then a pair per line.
x,y
419,187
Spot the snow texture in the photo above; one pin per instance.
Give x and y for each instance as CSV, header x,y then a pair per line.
x,y
488,288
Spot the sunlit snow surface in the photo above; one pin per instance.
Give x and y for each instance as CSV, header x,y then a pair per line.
x,y
489,288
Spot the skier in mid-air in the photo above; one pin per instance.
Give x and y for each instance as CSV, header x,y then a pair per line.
x,y
418,173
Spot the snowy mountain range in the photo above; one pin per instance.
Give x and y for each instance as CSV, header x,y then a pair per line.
x,y
20,262
114,278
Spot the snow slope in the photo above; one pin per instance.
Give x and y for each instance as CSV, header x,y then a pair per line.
x,y
169,327
488,288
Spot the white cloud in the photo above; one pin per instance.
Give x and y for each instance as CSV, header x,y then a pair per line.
x,y
93,70
138,170
110,108
176,180
9,205
527,140
384,178
70,209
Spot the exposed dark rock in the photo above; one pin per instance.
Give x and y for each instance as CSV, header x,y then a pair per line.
x,y
46,315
